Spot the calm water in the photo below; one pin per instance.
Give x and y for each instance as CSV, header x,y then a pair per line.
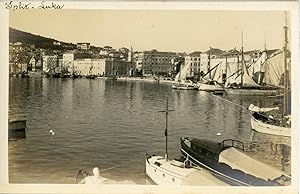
x,y
109,123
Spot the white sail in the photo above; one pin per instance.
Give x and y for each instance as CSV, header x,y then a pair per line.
x,y
258,66
232,73
247,79
181,75
236,78
274,69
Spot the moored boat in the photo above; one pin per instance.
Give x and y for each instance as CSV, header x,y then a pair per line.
x,y
185,85
35,74
228,161
90,77
264,122
162,171
209,86
176,172
261,120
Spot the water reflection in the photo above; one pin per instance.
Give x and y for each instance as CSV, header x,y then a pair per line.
x,y
106,123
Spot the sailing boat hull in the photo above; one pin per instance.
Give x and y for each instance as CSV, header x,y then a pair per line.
x,y
252,92
162,172
262,127
209,88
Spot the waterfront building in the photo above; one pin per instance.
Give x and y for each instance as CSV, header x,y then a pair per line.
x,y
156,63
117,67
89,66
68,62
16,68
50,63
82,67
193,61
207,57
98,67
32,63
83,46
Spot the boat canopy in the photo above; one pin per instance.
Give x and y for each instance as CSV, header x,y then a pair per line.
x,y
238,160
254,108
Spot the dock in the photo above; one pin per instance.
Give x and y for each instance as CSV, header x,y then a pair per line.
x,y
17,127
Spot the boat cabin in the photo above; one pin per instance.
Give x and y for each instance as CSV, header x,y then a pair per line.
x,y
211,149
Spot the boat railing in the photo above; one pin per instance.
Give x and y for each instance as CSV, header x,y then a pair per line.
x,y
231,143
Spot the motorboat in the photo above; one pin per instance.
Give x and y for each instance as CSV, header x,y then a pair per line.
x,y
176,172
228,161
163,171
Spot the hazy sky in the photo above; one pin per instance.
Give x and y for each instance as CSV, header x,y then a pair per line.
x,y
186,30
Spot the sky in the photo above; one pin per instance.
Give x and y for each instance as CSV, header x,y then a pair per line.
x,y
164,30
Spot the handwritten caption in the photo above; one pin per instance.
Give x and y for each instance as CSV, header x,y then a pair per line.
x,y
41,5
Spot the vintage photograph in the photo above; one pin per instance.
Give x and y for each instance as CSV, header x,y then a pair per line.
x,y
150,97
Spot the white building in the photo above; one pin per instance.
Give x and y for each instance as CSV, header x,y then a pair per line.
x,y
193,60
89,67
83,46
68,61
98,67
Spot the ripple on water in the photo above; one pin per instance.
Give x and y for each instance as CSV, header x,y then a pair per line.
x,y
109,123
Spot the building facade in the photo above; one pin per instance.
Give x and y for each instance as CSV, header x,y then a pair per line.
x,y
193,60
86,67
83,46
155,63
117,67
68,62
50,63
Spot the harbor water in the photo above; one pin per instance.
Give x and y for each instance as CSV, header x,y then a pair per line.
x,y
112,124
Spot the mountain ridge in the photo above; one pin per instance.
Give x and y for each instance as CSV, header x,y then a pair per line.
x,y
37,40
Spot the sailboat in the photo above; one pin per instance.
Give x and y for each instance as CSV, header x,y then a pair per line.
x,y
163,171
207,82
242,83
263,122
180,80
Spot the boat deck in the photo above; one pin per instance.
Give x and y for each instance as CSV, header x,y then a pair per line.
x,y
239,160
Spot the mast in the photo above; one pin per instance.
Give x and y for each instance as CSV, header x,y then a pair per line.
x,y
265,61
226,69
166,129
242,64
209,62
285,96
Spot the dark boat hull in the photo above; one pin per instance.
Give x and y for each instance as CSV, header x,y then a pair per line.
x,y
222,171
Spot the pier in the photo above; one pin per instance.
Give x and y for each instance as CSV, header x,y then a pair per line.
x,y
17,127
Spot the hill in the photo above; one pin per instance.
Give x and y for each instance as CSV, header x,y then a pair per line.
x,y
37,40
